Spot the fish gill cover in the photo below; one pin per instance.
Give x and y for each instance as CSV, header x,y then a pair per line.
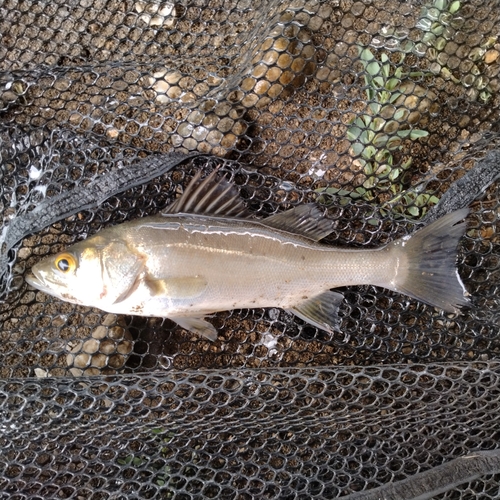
x,y
385,113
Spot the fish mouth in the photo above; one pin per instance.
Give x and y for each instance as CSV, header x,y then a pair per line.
x,y
48,286
35,281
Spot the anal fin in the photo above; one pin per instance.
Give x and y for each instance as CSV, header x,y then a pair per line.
x,y
198,326
321,310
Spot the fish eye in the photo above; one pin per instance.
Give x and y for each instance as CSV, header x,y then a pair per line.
x,y
65,262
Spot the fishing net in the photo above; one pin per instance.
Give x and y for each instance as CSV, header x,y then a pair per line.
x,y
386,113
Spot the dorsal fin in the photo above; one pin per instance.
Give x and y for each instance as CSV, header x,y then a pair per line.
x,y
307,220
210,196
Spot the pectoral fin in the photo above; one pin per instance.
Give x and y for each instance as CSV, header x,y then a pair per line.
x,y
198,326
184,287
321,310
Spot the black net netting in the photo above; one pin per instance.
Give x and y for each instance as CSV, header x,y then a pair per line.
x,y
385,113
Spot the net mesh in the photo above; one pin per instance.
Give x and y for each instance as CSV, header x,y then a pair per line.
x,y
376,111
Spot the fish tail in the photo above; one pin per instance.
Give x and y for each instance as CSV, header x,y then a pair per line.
x,y
429,258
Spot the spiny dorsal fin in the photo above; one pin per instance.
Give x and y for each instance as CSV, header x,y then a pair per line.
x,y
307,220
210,196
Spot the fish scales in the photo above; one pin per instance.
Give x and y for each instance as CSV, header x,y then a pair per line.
x,y
247,264
206,254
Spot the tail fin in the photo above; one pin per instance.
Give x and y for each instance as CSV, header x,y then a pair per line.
x,y
430,256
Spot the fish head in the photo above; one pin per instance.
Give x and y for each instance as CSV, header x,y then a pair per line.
x,y
91,273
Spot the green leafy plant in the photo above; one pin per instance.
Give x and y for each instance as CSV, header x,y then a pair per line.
x,y
439,23
378,133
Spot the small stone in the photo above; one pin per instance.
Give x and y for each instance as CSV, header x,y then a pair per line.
x,y
90,346
491,56
81,360
106,351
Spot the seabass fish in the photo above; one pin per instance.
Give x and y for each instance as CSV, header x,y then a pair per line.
x,y
206,254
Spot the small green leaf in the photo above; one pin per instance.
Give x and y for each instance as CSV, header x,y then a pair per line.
x,y
428,38
433,13
366,55
373,68
383,171
378,82
370,183
437,29
366,137
394,174
484,96
384,96
440,44
440,4
406,164
403,133
417,134
357,148
370,93
368,169
398,72
375,108
366,120
489,42
413,211
392,83
353,133
380,140
454,7
383,155
481,82
401,114
369,152
377,124
395,96
359,122
395,188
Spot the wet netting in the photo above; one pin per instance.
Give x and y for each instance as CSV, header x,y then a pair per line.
x,y
386,113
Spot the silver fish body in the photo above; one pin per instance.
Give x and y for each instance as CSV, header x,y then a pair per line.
x,y
208,264
186,265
